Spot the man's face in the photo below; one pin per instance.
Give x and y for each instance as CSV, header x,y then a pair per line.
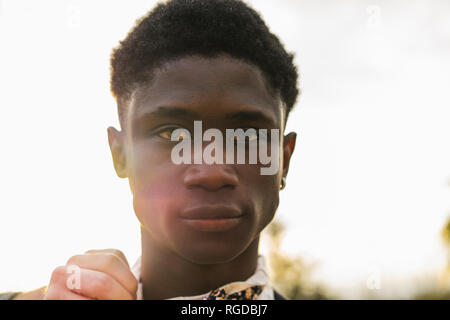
x,y
223,93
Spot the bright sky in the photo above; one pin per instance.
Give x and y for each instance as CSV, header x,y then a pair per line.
x,y
369,182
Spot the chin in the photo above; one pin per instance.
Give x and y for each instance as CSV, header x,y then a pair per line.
x,y
212,252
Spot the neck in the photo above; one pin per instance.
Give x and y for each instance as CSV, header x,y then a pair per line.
x,y
164,274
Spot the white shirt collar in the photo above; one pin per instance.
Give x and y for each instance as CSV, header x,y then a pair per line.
x,y
260,277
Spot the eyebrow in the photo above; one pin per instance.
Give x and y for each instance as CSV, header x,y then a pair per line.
x,y
179,112
251,116
169,112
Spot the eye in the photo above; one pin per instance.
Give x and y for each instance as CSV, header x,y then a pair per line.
x,y
166,133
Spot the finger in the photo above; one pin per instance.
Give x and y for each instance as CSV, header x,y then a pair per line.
x,y
99,285
110,264
116,252
64,294
57,289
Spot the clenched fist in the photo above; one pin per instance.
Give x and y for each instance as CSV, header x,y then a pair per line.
x,y
97,274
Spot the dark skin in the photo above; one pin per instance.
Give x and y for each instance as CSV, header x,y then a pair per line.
x,y
223,92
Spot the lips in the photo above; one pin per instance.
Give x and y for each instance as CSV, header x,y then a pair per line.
x,y
211,212
212,218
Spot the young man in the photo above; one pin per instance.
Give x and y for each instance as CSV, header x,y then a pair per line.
x,y
213,61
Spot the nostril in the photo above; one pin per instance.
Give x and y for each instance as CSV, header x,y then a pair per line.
x,y
210,177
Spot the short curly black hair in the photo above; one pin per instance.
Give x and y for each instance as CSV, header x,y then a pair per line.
x,y
208,28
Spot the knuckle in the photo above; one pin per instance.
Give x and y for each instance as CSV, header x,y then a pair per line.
x,y
58,274
109,261
73,259
113,251
119,254
93,251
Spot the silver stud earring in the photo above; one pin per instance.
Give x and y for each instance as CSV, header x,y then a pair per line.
x,y
283,183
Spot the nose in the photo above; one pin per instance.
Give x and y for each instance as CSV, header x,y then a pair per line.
x,y
210,177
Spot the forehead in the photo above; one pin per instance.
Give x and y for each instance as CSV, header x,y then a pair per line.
x,y
209,87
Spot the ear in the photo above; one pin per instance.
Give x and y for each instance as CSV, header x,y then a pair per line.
x,y
117,145
288,149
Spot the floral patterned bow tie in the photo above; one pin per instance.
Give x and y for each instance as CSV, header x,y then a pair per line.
x,y
235,291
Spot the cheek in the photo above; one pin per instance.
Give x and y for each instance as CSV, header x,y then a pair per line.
x,y
154,182
264,192
156,206
151,203
268,199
